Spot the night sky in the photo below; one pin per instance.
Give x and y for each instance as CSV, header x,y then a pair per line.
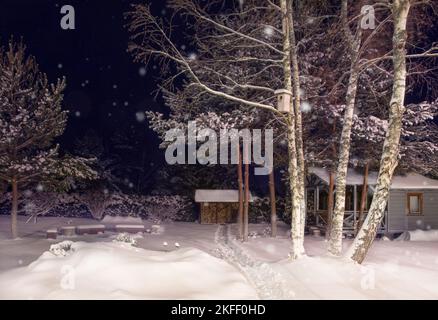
x,y
105,88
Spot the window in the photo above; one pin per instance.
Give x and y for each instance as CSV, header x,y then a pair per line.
x,y
323,200
415,203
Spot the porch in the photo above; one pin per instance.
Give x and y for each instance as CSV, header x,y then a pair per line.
x,y
317,200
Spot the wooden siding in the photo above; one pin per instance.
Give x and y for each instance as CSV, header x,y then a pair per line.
x,y
218,212
398,218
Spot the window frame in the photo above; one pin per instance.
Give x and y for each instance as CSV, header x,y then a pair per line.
x,y
420,203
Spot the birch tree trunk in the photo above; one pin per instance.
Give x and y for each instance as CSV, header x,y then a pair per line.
x,y
273,204
246,206
298,119
14,211
240,186
363,199
335,240
389,160
297,239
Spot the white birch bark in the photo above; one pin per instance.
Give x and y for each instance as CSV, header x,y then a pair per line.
x,y
389,159
296,85
297,239
337,222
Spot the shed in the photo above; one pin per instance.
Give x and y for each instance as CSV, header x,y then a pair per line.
x,y
412,203
218,206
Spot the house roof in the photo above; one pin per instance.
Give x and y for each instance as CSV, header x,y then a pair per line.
x,y
409,181
218,196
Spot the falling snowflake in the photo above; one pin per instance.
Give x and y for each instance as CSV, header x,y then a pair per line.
x,y
39,187
60,66
28,193
142,71
114,103
306,107
192,56
268,31
78,114
140,116
114,86
126,103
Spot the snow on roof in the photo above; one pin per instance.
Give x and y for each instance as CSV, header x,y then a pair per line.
x,y
218,196
409,181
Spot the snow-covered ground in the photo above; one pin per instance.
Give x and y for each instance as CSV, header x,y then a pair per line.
x,y
106,270
181,261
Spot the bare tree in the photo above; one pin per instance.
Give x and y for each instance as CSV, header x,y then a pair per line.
x,y
242,56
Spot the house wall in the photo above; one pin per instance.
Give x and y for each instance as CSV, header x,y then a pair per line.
x,y
218,212
399,220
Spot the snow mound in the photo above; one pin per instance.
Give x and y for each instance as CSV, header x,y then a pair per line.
x,y
122,220
419,235
108,270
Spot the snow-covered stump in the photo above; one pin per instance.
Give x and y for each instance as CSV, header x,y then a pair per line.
x,y
90,229
52,234
68,231
129,228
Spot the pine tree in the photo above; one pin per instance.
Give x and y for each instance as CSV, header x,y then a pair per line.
x,y
30,119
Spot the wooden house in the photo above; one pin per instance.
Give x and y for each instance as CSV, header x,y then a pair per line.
x,y
412,203
218,206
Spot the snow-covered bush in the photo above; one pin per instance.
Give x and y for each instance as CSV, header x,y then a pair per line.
x,y
97,204
62,249
126,238
260,210
170,208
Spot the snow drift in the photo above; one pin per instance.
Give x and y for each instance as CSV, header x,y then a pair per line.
x,y
119,271
419,235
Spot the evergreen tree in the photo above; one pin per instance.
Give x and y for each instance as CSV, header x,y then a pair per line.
x,y
30,119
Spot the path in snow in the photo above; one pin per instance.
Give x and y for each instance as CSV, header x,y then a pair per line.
x,y
268,283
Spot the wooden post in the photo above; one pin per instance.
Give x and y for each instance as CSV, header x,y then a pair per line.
x,y
354,205
14,211
246,206
330,201
240,185
363,199
273,204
